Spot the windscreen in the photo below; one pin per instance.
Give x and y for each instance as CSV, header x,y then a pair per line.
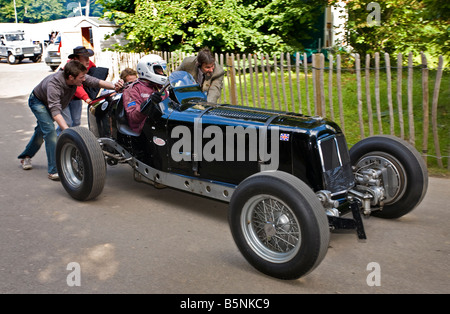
x,y
14,37
181,78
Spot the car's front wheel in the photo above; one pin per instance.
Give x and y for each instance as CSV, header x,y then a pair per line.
x,y
81,163
279,225
12,59
403,173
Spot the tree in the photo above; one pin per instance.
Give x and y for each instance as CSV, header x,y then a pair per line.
x,y
296,22
243,26
88,8
30,11
404,26
36,11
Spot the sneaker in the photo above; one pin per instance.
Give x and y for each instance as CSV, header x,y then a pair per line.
x,y
26,163
53,176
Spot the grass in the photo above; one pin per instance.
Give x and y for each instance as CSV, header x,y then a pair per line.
x,y
351,124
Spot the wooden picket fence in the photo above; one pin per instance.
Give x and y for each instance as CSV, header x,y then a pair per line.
x,y
287,83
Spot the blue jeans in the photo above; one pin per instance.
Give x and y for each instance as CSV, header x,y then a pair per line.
x,y
43,132
72,114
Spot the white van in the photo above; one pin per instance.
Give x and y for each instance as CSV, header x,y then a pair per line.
x,y
15,48
53,53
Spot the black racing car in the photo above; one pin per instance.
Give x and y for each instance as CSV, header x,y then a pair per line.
x,y
289,178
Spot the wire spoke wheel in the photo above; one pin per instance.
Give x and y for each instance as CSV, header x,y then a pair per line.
x,y
271,228
279,224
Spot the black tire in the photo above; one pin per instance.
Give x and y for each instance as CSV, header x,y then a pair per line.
x,y
81,163
54,67
12,59
294,215
36,59
405,174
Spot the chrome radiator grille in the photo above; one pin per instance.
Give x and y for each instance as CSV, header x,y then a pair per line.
x,y
54,54
28,50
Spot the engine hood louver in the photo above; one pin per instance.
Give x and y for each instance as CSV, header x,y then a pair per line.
x,y
236,114
267,116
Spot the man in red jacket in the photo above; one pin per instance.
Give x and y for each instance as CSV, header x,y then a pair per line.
x,y
141,98
72,113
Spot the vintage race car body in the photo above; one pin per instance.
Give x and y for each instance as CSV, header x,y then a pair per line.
x,y
289,178
306,146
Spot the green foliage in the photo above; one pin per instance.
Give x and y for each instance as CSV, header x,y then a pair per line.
x,y
292,20
225,26
254,26
127,6
36,11
30,11
404,26
251,26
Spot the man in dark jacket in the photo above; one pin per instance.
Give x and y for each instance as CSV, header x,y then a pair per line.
x,y
207,72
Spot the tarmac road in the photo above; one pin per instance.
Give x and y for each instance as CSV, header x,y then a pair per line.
x,y
138,239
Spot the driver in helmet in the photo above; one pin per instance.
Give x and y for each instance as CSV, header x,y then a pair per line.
x,y
141,98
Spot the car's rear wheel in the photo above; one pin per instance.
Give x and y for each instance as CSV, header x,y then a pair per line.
x,y
81,163
279,225
404,175
36,59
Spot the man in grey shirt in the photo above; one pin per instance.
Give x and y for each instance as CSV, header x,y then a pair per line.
x,y
47,101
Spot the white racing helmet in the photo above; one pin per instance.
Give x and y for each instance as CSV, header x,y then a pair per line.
x,y
150,67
